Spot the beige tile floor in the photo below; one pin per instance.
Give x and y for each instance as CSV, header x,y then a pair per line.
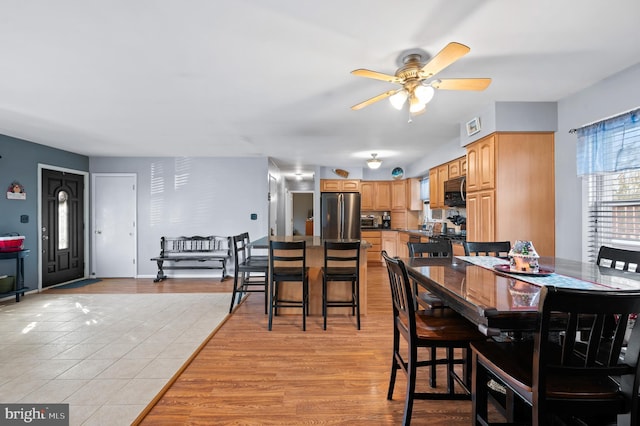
x,y
106,355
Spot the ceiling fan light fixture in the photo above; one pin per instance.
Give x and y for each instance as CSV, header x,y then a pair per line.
x,y
373,162
399,99
424,93
415,106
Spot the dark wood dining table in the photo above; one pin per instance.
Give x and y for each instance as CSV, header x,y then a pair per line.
x,y
500,302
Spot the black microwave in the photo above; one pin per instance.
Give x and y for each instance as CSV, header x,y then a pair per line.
x,y
455,192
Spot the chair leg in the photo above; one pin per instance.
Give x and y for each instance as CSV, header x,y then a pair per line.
x,y
324,301
233,294
479,392
432,368
394,363
305,303
271,302
450,371
356,298
411,385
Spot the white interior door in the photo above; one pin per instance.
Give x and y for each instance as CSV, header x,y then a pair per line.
x,y
114,225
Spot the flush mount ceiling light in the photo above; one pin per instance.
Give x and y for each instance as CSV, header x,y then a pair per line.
x,y
373,162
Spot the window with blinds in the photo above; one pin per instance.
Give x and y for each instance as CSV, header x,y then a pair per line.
x,y
614,211
609,159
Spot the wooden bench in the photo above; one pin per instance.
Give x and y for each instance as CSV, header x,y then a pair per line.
x,y
193,251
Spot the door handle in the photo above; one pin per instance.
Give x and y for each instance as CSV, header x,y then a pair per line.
x,y
98,232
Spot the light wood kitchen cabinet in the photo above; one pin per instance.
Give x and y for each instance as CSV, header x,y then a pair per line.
x,y
373,238
455,168
437,177
404,219
402,250
375,195
481,164
511,189
413,187
398,195
339,185
367,195
389,243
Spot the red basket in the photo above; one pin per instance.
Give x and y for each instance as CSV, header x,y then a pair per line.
x,y
15,243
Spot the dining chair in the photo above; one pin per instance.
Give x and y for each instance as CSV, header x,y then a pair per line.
x,y
624,260
250,254
553,377
250,275
288,263
426,299
341,264
487,248
434,328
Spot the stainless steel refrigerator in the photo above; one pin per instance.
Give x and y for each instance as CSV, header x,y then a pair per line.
x,y
340,215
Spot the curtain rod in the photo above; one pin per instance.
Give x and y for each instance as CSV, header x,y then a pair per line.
x,y
603,119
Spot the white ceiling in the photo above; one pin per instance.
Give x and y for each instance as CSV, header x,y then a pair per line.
x,y
272,77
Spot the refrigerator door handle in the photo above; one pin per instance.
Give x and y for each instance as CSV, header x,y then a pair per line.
x,y
340,215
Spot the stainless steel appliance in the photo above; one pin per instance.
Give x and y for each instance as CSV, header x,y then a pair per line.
x,y
340,215
369,221
455,192
386,220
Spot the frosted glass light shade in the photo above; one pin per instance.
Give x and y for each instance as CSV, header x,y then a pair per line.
x,y
374,163
415,105
424,93
398,99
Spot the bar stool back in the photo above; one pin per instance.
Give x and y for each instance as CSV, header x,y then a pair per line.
x,y
487,248
341,264
288,263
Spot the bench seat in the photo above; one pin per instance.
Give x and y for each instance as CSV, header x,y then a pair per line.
x,y
210,252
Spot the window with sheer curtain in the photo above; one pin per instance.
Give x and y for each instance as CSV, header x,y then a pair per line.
x,y
608,157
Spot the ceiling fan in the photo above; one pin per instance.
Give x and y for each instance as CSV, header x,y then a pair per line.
x,y
416,79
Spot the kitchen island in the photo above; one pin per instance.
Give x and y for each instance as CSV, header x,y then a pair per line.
x,y
315,261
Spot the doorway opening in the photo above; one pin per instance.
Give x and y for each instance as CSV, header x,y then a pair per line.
x,y
300,213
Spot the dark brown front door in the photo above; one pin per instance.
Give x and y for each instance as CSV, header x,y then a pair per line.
x,y
62,227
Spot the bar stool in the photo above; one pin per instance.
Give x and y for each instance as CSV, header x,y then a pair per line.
x,y
341,264
487,248
287,263
249,274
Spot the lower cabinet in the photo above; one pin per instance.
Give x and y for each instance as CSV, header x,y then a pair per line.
x,y
389,243
402,250
373,238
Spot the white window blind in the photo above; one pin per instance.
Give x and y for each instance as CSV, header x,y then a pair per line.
x,y
614,211
608,156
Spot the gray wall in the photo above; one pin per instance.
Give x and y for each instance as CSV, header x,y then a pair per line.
x,y
193,196
19,162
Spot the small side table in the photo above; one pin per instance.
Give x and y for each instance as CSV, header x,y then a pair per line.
x,y
18,288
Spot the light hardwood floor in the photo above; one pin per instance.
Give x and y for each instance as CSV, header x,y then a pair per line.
x,y
246,375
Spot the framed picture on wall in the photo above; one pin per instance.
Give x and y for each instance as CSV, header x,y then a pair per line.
x,y
473,126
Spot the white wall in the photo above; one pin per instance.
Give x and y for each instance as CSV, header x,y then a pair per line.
x,y
612,96
193,196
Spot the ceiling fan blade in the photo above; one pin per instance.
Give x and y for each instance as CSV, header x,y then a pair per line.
x,y
374,99
376,75
461,83
448,55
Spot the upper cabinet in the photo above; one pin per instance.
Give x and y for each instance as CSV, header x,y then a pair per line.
x,y
339,185
375,195
481,164
437,177
511,189
398,195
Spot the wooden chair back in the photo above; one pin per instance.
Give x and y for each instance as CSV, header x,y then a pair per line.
x,y
401,297
431,249
624,260
559,354
487,248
